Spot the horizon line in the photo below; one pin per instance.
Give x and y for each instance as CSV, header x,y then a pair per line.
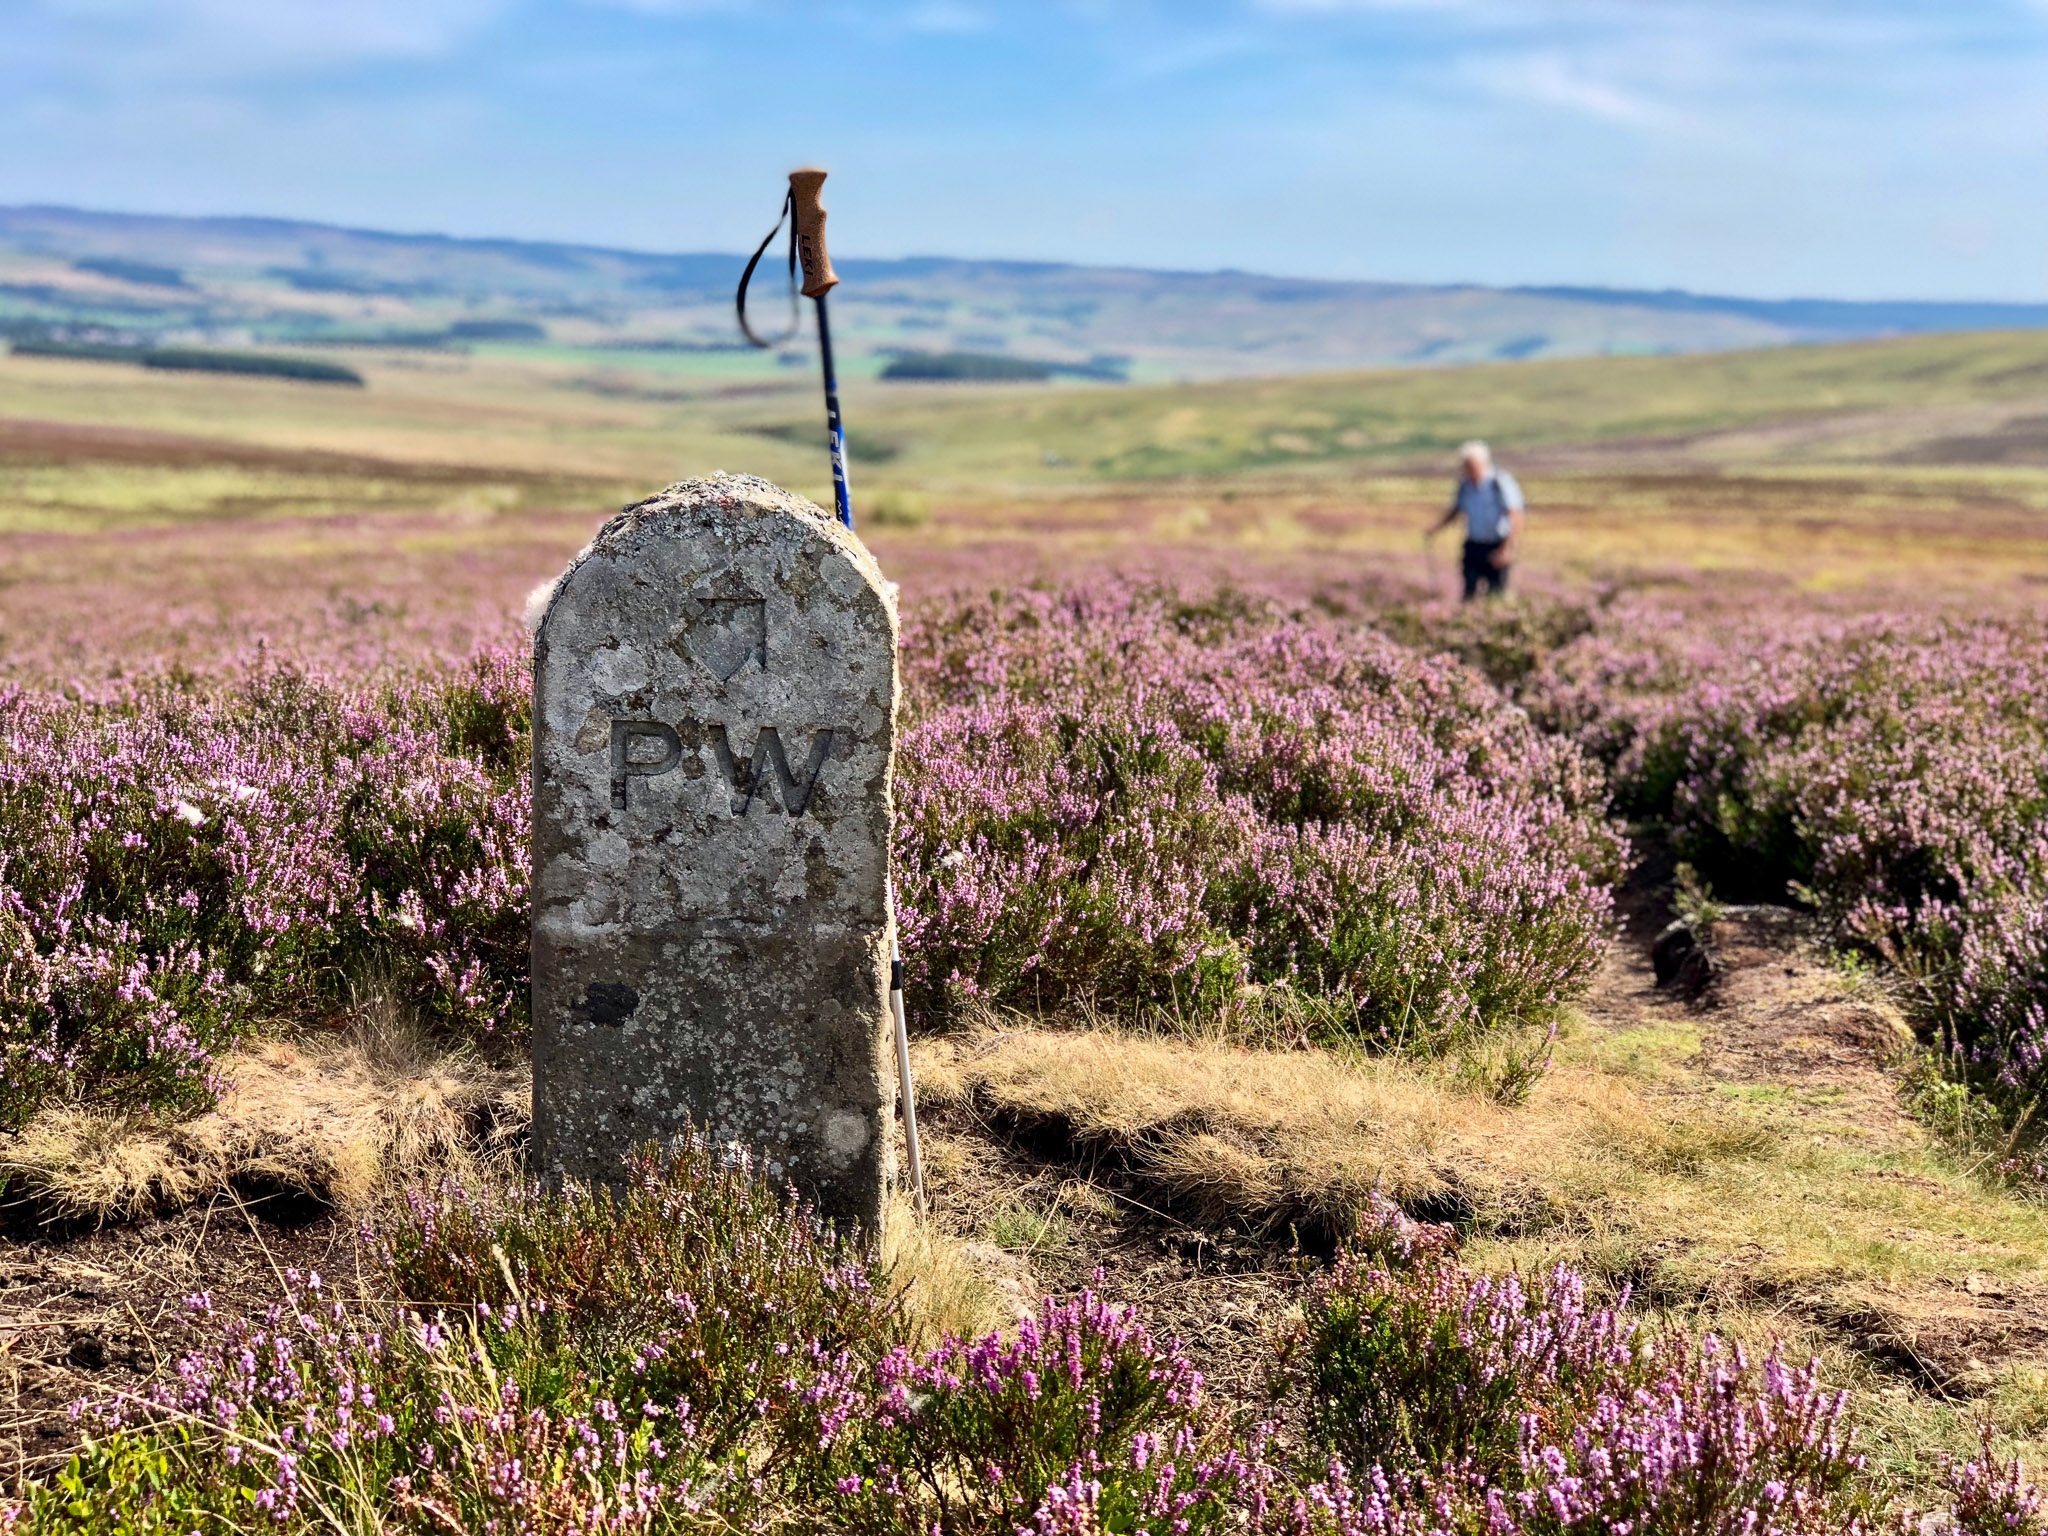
x,y
1593,292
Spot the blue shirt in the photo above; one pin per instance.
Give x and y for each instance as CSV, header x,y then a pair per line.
x,y
1486,505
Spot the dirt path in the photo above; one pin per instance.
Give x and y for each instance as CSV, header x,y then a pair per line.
x,y
1778,1018
1776,1022
1788,1036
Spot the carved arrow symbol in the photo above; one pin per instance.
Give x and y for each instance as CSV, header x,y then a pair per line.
x,y
726,628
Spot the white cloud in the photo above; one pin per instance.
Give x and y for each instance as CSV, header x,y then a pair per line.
x,y
214,39
1680,66
1836,146
1551,80
947,16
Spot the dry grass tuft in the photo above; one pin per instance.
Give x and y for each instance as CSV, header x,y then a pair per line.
x,y
947,1285
1765,1209
336,1121
1657,1179
1272,1139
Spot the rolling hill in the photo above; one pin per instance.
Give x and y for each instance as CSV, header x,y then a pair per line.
x,y
67,272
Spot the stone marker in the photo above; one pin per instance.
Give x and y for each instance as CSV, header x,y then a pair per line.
x,y
714,722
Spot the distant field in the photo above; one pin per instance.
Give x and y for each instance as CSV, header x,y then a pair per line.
x,y
71,276
1975,401
1864,468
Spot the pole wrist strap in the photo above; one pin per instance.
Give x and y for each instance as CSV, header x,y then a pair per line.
x,y
740,299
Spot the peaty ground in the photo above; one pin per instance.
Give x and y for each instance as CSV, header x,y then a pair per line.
x,y
1740,1159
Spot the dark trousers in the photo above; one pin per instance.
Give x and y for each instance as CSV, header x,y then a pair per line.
x,y
1480,571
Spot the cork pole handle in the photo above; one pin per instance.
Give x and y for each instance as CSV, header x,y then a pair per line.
x,y
806,190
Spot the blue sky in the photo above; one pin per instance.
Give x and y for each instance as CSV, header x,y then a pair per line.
x,y
1863,148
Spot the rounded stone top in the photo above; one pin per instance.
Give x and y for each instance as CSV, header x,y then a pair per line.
x,y
739,510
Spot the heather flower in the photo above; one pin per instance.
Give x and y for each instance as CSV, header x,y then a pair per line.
x,y
1108,792
1993,1498
1431,1365
1103,792
177,863
1890,771
695,1352
1454,1401
1706,1442
1081,1423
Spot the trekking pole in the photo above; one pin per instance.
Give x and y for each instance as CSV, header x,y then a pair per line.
x,y
1436,586
805,209
903,1057
806,189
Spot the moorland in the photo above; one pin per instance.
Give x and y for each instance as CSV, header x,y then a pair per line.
x,y
1492,1051
72,274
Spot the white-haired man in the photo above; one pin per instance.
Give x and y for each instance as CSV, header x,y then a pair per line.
x,y
1491,503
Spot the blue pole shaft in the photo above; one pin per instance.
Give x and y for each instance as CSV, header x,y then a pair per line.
x,y
842,497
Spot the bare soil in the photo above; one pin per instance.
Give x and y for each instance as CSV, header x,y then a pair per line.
x,y
1780,1021
87,1313
1778,1016
1218,1293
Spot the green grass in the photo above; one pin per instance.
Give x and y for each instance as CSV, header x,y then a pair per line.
x,y
1839,467
1395,414
1860,403
1323,421
61,498
1021,1229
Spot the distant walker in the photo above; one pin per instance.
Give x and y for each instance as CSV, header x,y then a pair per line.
x,y
1490,502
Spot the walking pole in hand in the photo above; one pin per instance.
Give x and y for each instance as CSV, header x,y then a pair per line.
x,y
1436,585
805,210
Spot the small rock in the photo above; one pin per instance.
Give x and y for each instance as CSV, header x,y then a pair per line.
x,y
1680,960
